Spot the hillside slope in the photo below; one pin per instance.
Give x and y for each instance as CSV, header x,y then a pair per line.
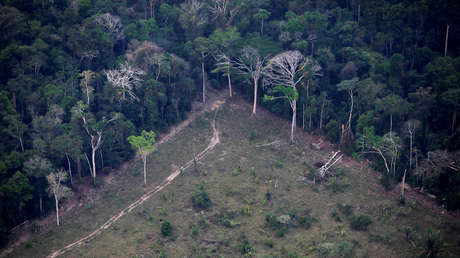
x,y
263,202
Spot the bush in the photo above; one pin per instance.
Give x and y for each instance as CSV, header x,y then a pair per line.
x,y
194,229
201,200
268,242
433,244
360,222
345,209
166,228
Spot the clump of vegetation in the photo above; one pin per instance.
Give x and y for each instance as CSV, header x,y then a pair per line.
x,y
201,200
278,224
433,244
360,222
336,249
245,247
166,228
268,242
194,229
345,209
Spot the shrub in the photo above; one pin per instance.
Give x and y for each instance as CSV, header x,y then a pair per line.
x,y
360,222
245,248
433,243
268,242
194,229
201,200
345,209
166,228
306,221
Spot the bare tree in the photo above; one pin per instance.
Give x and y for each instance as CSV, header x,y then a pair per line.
x,y
190,18
349,86
410,127
224,64
86,78
125,79
336,157
94,130
285,72
111,24
222,12
386,147
251,63
57,188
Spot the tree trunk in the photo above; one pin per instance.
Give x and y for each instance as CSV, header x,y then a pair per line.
x,y
321,115
70,168
262,27
204,84
303,116
454,120
144,158
57,210
40,203
391,123
410,151
447,39
403,183
254,107
229,81
79,167
293,122
21,143
93,159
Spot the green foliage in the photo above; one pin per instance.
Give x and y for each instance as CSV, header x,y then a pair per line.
x,y
433,243
201,200
360,222
144,143
166,228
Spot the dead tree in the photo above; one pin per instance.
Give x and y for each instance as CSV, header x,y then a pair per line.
x,y
125,79
323,170
251,63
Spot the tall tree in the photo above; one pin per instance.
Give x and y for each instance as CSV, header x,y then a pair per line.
x,y
261,15
202,47
284,72
349,86
94,129
143,144
125,79
222,42
87,77
57,188
251,63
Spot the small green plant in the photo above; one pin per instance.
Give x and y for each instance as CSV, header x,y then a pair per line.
x,y
252,171
166,228
345,209
201,200
360,222
236,171
245,248
433,244
194,229
268,196
253,134
162,254
246,210
268,242
35,227
306,221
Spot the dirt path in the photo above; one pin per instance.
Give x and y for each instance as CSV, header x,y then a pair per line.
x,y
213,142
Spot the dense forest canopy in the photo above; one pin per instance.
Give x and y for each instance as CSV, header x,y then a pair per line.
x,y
79,77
